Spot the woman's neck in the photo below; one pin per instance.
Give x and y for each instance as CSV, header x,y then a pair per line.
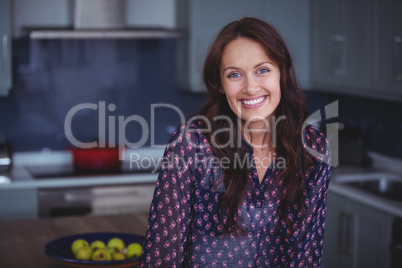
x,y
258,135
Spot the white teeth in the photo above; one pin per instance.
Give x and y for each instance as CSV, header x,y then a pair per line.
x,y
252,102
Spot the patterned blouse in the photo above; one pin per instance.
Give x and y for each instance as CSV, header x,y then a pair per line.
x,y
184,230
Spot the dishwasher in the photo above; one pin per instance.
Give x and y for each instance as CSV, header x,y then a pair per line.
x,y
95,200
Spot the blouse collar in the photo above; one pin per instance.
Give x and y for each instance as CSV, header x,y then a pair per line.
x,y
247,146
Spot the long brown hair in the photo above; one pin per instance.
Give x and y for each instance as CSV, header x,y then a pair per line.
x,y
292,105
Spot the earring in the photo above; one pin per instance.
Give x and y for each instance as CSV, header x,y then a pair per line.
x,y
220,91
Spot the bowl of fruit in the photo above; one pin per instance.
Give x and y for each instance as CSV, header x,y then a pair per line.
x,y
96,249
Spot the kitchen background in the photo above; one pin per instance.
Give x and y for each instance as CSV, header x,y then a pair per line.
x,y
52,76
345,51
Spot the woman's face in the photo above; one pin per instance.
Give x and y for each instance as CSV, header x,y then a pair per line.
x,y
250,80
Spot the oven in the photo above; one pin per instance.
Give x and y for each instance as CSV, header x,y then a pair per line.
x,y
95,200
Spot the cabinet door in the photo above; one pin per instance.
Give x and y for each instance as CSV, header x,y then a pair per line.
x,y
397,49
18,204
202,21
341,47
386,74
339,233
369,234
5,47
356,235
373,237
292,20
331,257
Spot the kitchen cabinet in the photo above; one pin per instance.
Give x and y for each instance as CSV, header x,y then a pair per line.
x,y
355,235
145,13
5,47
201,20
59,15
341,46
18,204
386,70
357,47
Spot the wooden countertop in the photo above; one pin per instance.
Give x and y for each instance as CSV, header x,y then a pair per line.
x,y
22,241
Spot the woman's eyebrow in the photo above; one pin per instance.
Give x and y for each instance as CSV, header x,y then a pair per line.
x,y
256,66
230,67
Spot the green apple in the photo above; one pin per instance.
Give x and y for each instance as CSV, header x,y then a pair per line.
x,y
133,250
118,256
101,255
110,250
77,244
116,243
84,254
97,244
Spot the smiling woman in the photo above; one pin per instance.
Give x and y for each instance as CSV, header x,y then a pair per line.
x,y
259,202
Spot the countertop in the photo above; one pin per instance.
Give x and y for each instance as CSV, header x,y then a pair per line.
x,y
22,241
364,197
21,178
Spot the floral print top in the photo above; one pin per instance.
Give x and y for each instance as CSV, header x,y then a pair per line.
x,y
184,230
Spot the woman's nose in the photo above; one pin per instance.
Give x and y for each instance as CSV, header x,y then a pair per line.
x,y
251,86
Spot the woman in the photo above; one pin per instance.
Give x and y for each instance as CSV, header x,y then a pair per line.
x,y
237,188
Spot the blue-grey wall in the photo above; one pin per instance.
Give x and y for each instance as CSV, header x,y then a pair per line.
x,y
53,76
377,122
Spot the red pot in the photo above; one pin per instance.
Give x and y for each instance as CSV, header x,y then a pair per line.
x,y
96,159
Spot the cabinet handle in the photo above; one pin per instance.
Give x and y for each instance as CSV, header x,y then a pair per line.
x,y
397,59
349,235
5,56
336,54
341,243
345,243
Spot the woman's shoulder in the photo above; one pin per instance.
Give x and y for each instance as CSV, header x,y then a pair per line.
x,y
316,143
189,145
191,133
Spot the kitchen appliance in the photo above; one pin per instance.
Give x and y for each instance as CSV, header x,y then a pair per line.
x,y
5,156
95,200
62,191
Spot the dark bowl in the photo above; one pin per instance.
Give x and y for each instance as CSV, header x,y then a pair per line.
x,y
60,249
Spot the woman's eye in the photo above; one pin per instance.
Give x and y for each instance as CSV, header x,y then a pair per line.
x,y
234,75
264,70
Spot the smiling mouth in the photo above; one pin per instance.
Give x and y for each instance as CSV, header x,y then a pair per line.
x,y
255,101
